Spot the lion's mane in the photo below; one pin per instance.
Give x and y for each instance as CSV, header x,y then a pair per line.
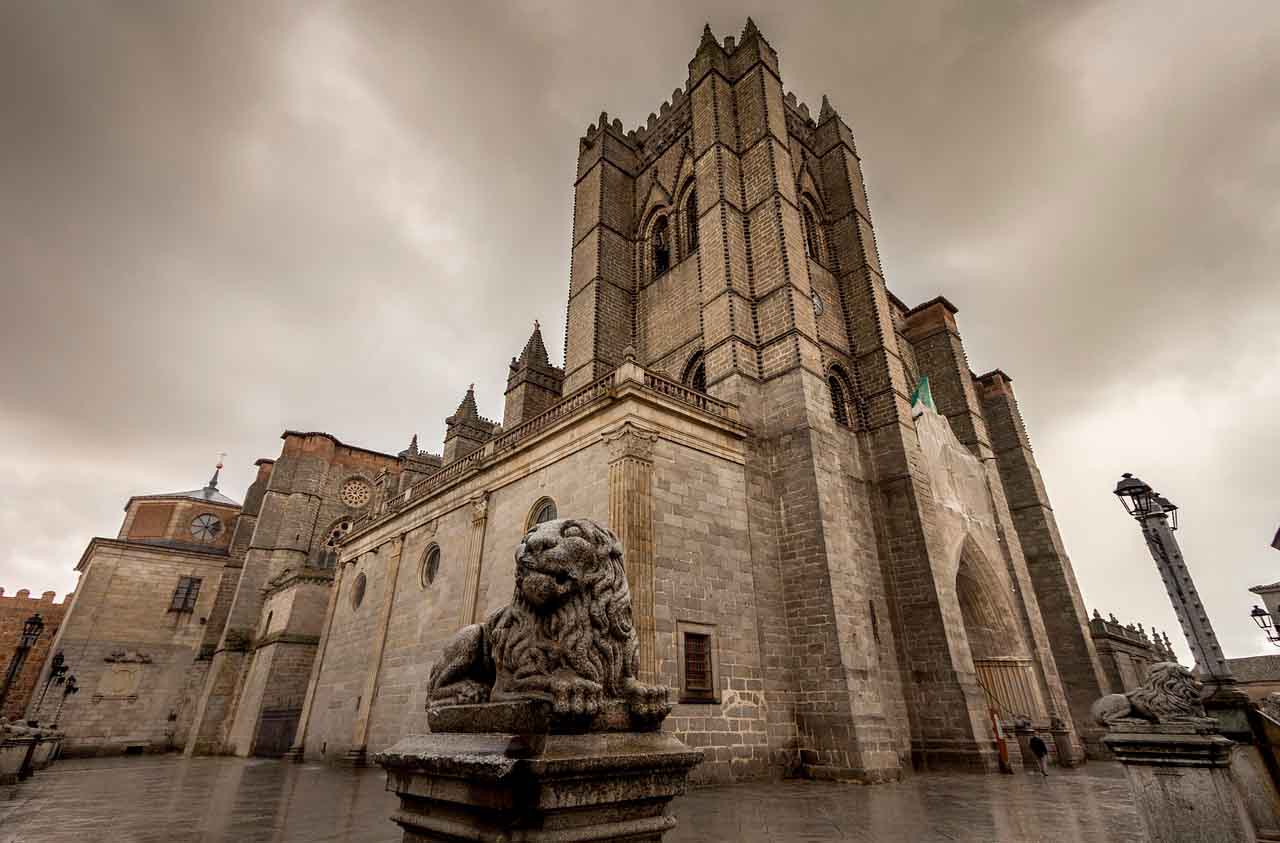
x,y
590,633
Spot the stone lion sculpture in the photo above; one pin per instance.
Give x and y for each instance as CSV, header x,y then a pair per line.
x,y
567,636
1171,694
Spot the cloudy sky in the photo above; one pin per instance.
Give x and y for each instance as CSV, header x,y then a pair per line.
x,y
221,220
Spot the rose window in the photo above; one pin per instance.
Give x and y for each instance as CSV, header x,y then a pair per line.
x,y
354,493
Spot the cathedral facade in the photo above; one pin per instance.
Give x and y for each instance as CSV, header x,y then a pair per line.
x,y
842,557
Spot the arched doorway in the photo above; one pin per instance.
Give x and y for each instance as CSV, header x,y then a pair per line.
x,y
1001,659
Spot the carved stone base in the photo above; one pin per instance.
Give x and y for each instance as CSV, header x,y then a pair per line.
x,y
1182,783
538,788
15,757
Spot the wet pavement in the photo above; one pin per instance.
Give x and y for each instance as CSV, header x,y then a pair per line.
x,y
166,798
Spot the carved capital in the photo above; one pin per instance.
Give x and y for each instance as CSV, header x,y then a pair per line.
x,y
480,507
630,441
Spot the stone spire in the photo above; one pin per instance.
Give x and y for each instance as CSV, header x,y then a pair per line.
x,y
533,384
535,351
467,409
467,429
827,111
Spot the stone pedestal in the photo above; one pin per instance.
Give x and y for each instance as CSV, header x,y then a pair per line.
x,y
1251,769
1182,783
515,776
46,750
15,756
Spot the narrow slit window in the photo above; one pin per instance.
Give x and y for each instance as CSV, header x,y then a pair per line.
x,y
839,403
661,246
691,222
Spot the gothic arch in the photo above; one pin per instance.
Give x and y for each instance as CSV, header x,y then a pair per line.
x,y
840,391
688,218
996,642
695,372
812,221
657,224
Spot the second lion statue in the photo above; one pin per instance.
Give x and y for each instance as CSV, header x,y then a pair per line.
x,y
567,637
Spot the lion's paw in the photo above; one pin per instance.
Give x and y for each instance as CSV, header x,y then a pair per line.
x,y
576,696
648,702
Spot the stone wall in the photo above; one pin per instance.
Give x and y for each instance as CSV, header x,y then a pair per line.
x,y
15,609
131,654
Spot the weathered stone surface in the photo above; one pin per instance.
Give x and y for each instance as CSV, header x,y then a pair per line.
x,y
1182,783
493,787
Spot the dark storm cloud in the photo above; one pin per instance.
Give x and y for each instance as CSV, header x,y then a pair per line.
x,y
221,220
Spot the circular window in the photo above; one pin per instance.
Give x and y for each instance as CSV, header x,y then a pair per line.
x,y
430,566
338,532
206,527
543,510
354,493
818,306
357,591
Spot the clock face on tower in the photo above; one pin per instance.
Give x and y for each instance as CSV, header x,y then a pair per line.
x,y
205,528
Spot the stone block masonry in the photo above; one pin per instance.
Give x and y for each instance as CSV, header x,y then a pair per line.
x,y
15,609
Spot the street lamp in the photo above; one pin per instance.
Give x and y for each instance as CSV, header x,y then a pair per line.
x,y
69,687
1154,512
57,670
31,629
1263,619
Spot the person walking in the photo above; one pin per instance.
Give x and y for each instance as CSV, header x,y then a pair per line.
x,y
1041,752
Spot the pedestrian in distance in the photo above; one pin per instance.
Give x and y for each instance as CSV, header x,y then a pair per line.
x,y
1041,752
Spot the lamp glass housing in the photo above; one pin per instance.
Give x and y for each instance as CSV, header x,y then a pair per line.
x,y
31,629
1134,495
1261,617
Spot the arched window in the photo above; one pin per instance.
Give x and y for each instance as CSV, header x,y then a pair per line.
x,y
430,566
695,373
691,223
543,510
661,246
812,241
357,591
839,398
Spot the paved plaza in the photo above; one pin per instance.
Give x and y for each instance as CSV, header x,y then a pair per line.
x,y
139,800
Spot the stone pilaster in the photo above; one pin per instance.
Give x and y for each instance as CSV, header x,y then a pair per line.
x,y
631,519
475,554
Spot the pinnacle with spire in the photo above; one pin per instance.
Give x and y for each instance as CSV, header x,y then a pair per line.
x,y
212,485
827,111
535,351
467,409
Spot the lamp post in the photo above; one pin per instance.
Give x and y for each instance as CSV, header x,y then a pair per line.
x,y
1263,619
69,687
57,670
31,630
1157,516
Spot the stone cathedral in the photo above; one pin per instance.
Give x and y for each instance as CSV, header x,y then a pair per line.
x,y
842,557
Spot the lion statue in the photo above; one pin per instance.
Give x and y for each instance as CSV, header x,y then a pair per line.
x,y
567,636
1171,694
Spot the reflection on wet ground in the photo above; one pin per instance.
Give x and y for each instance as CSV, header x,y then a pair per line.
x,y
168,798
